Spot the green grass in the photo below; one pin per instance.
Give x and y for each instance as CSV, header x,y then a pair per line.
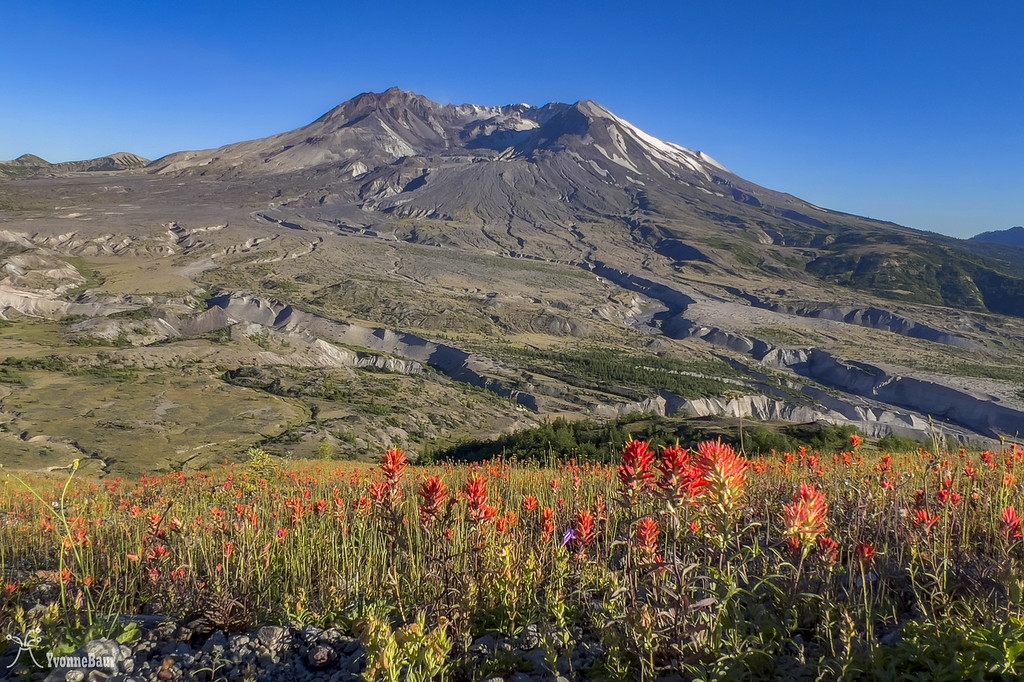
x,y
780,335
92,277
630,375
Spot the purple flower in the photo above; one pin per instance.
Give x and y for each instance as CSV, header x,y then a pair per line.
x,y
570,535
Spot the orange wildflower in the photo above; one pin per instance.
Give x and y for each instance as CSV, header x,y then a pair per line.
x,y
1011,524
723,474
434,493
866,553
586,532
635,473
807,516
923,519
647,535
678,475
829,549
475,493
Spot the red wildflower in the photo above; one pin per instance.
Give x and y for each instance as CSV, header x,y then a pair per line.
x,y
866,553
829,549
678,475
807,516
1011,524
548,517
586,531
507,522
530,504
434,493
723,474
647,536
475,493
923,519
379,491
395,462
856,441
157,553
635,473
10,588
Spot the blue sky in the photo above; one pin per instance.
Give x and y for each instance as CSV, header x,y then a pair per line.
x,y
906,111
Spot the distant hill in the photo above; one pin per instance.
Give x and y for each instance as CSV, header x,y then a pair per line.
x,y
29,164
1011,237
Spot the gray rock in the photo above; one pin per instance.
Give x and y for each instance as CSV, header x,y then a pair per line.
x,y
74,676
237,641
104,649
217,642
485,644
530,639
320,656
537,659
272,636
180,649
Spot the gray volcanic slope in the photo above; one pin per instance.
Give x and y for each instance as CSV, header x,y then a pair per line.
x,y
546,181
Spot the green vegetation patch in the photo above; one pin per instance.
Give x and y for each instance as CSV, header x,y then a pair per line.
x,y
590,440
630,375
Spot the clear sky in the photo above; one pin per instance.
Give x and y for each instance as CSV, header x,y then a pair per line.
x,y
905,110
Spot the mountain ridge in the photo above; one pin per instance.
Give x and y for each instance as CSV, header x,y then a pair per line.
x,y
1013,236
30,164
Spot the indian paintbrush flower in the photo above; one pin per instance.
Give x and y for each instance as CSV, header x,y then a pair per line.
x,y
806,517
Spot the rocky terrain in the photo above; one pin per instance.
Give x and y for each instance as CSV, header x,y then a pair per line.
x,y
174,651
302,287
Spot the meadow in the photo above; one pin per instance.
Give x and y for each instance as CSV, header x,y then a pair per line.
x,y
700,562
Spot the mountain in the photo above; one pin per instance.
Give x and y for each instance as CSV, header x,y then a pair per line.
x,y
400,272
30,164
521,180
1011,237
